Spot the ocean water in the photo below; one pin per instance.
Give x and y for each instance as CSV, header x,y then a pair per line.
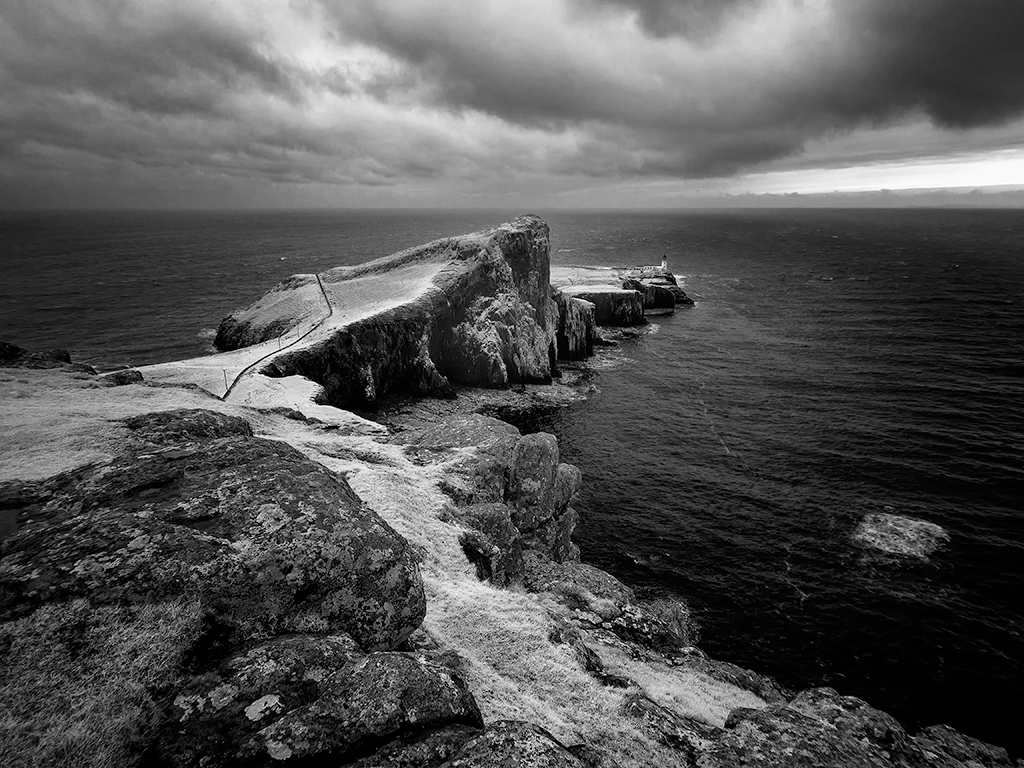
x,y
836,364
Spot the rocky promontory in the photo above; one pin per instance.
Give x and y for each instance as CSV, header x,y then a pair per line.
x,y
206,563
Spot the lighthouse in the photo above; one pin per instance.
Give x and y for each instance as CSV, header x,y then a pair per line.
x,y
664,262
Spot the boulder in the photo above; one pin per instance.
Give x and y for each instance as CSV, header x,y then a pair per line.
x,y
533,471
429,750
944,747
13,356
685,734
612,305
819,727
302,698
497,546
268,540
121,378
514,744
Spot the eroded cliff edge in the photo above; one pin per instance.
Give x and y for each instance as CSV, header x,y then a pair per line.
x,y
471,310
194,581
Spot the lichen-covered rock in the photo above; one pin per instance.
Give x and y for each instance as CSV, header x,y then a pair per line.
x,y
544,575
270,541
186,425
944,747
612,305
554,536
382,696
576,327
497,550
430,750
121,378
685,734
818,728
514,744
763,686
531,482
13,356
479,476
305,697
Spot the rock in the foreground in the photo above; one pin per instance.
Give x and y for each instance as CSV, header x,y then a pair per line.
x,y
269,541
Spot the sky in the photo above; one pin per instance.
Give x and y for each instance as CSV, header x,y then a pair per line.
x,y
522,103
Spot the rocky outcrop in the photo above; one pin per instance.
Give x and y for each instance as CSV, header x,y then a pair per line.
x,y
474,310
512,491
658,279
296,699
613,306
13,356
266,539
658,299
818,727
576,321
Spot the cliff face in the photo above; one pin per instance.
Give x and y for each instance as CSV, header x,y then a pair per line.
x,y
474,310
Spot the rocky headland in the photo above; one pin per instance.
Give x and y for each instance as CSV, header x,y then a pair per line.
x,y
215,562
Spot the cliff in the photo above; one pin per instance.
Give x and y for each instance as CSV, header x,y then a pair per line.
x,y
261,579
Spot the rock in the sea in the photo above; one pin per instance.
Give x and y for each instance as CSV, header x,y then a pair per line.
x,y
898,535
613,305
475,310
268,540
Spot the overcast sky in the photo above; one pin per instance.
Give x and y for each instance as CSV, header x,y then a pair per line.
x,y
235,103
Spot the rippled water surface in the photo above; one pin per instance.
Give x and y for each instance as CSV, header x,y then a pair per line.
x,y
837,364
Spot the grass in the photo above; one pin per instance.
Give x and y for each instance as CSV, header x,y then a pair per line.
x,y
77,681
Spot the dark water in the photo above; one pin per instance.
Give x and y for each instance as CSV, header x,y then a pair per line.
x,y
837,363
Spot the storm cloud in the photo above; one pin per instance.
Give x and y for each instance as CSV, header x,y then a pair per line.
x,y
421,95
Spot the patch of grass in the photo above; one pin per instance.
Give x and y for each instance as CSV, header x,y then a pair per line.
x,y
77,681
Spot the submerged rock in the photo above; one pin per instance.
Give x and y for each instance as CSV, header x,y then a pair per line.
x,y
898,535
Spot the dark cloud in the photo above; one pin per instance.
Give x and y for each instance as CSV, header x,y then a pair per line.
x,y
174,63
382,93
867,62
692,19
961,62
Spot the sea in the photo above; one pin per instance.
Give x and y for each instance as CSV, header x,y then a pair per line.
x,y
836,364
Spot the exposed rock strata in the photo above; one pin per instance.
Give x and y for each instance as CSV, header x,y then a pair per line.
x,y
576,320
613,305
